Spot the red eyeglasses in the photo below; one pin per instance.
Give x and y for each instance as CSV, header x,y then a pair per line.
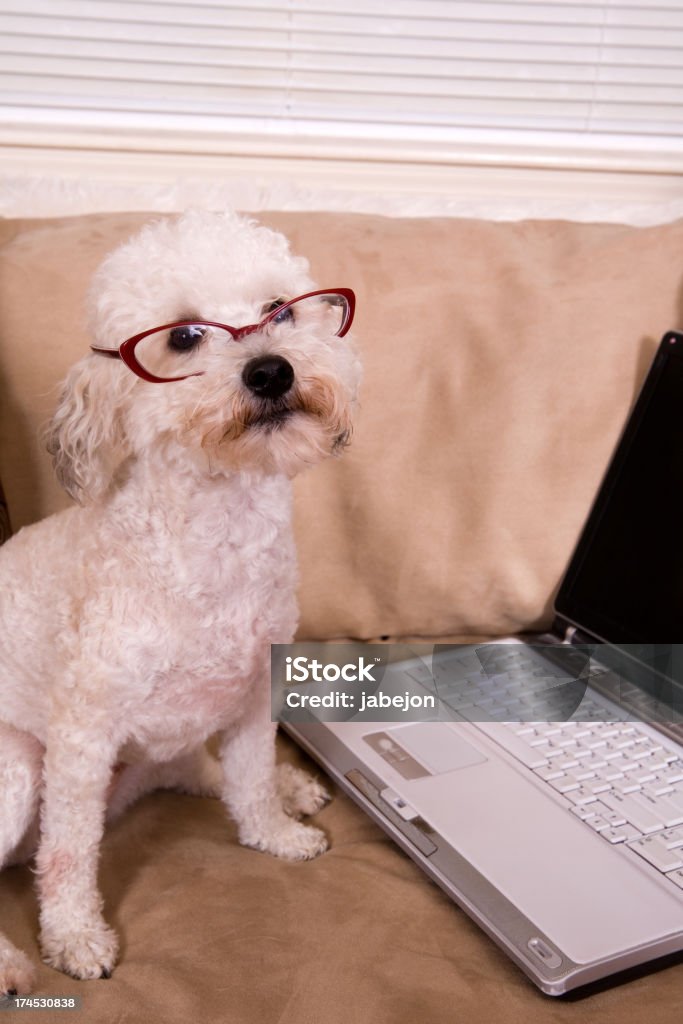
x,y
181,349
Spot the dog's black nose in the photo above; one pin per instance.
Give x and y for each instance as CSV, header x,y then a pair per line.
x,y
268,376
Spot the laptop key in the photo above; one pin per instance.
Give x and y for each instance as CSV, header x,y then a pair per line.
x,y
607,730
578,730
665,806
676,796
594,742
644,818
581,796
584,812
553,772
613,817
673,837
598,785
621,834
564,784
657,788
598,823
658,854
672,773
627,785
659,762
677,878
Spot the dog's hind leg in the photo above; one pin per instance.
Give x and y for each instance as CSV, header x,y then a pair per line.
x,y
196,773
21,758
300,793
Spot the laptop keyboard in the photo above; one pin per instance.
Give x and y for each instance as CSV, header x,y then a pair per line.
x,y
503,682
618,780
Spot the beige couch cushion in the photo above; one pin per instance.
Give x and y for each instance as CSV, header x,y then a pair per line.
x,y
500,362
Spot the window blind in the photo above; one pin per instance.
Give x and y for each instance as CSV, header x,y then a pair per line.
x,y
407,71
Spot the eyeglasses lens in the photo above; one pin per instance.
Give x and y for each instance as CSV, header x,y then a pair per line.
x,y
322,316
179,351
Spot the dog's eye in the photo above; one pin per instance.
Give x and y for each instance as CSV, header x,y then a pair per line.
x,y
182,339
281,318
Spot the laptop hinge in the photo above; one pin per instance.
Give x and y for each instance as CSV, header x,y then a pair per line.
x,y
571,634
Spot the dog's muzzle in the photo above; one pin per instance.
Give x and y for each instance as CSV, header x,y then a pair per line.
x,y
268,376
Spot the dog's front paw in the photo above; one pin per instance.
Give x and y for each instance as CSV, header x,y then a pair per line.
x,y
299,791
291,841
17,973
85,954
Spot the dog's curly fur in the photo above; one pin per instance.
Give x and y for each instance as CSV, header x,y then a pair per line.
x,y
139,622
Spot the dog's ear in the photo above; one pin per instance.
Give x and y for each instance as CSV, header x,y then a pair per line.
x,y
87,437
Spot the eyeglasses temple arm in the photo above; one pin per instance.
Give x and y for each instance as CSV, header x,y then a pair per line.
x,y
113,353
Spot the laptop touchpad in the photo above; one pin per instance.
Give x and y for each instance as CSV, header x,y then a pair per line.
x,y
424,748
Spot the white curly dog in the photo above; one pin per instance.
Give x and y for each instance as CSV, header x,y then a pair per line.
x,y
138,623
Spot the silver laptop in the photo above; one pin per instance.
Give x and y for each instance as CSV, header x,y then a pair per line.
x,y
542,788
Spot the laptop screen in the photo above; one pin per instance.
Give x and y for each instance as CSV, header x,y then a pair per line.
x,y
625,580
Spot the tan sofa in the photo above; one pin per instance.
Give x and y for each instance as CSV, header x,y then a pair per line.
x,y
500,363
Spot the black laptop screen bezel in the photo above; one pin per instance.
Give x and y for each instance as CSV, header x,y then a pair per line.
x,y
568,606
